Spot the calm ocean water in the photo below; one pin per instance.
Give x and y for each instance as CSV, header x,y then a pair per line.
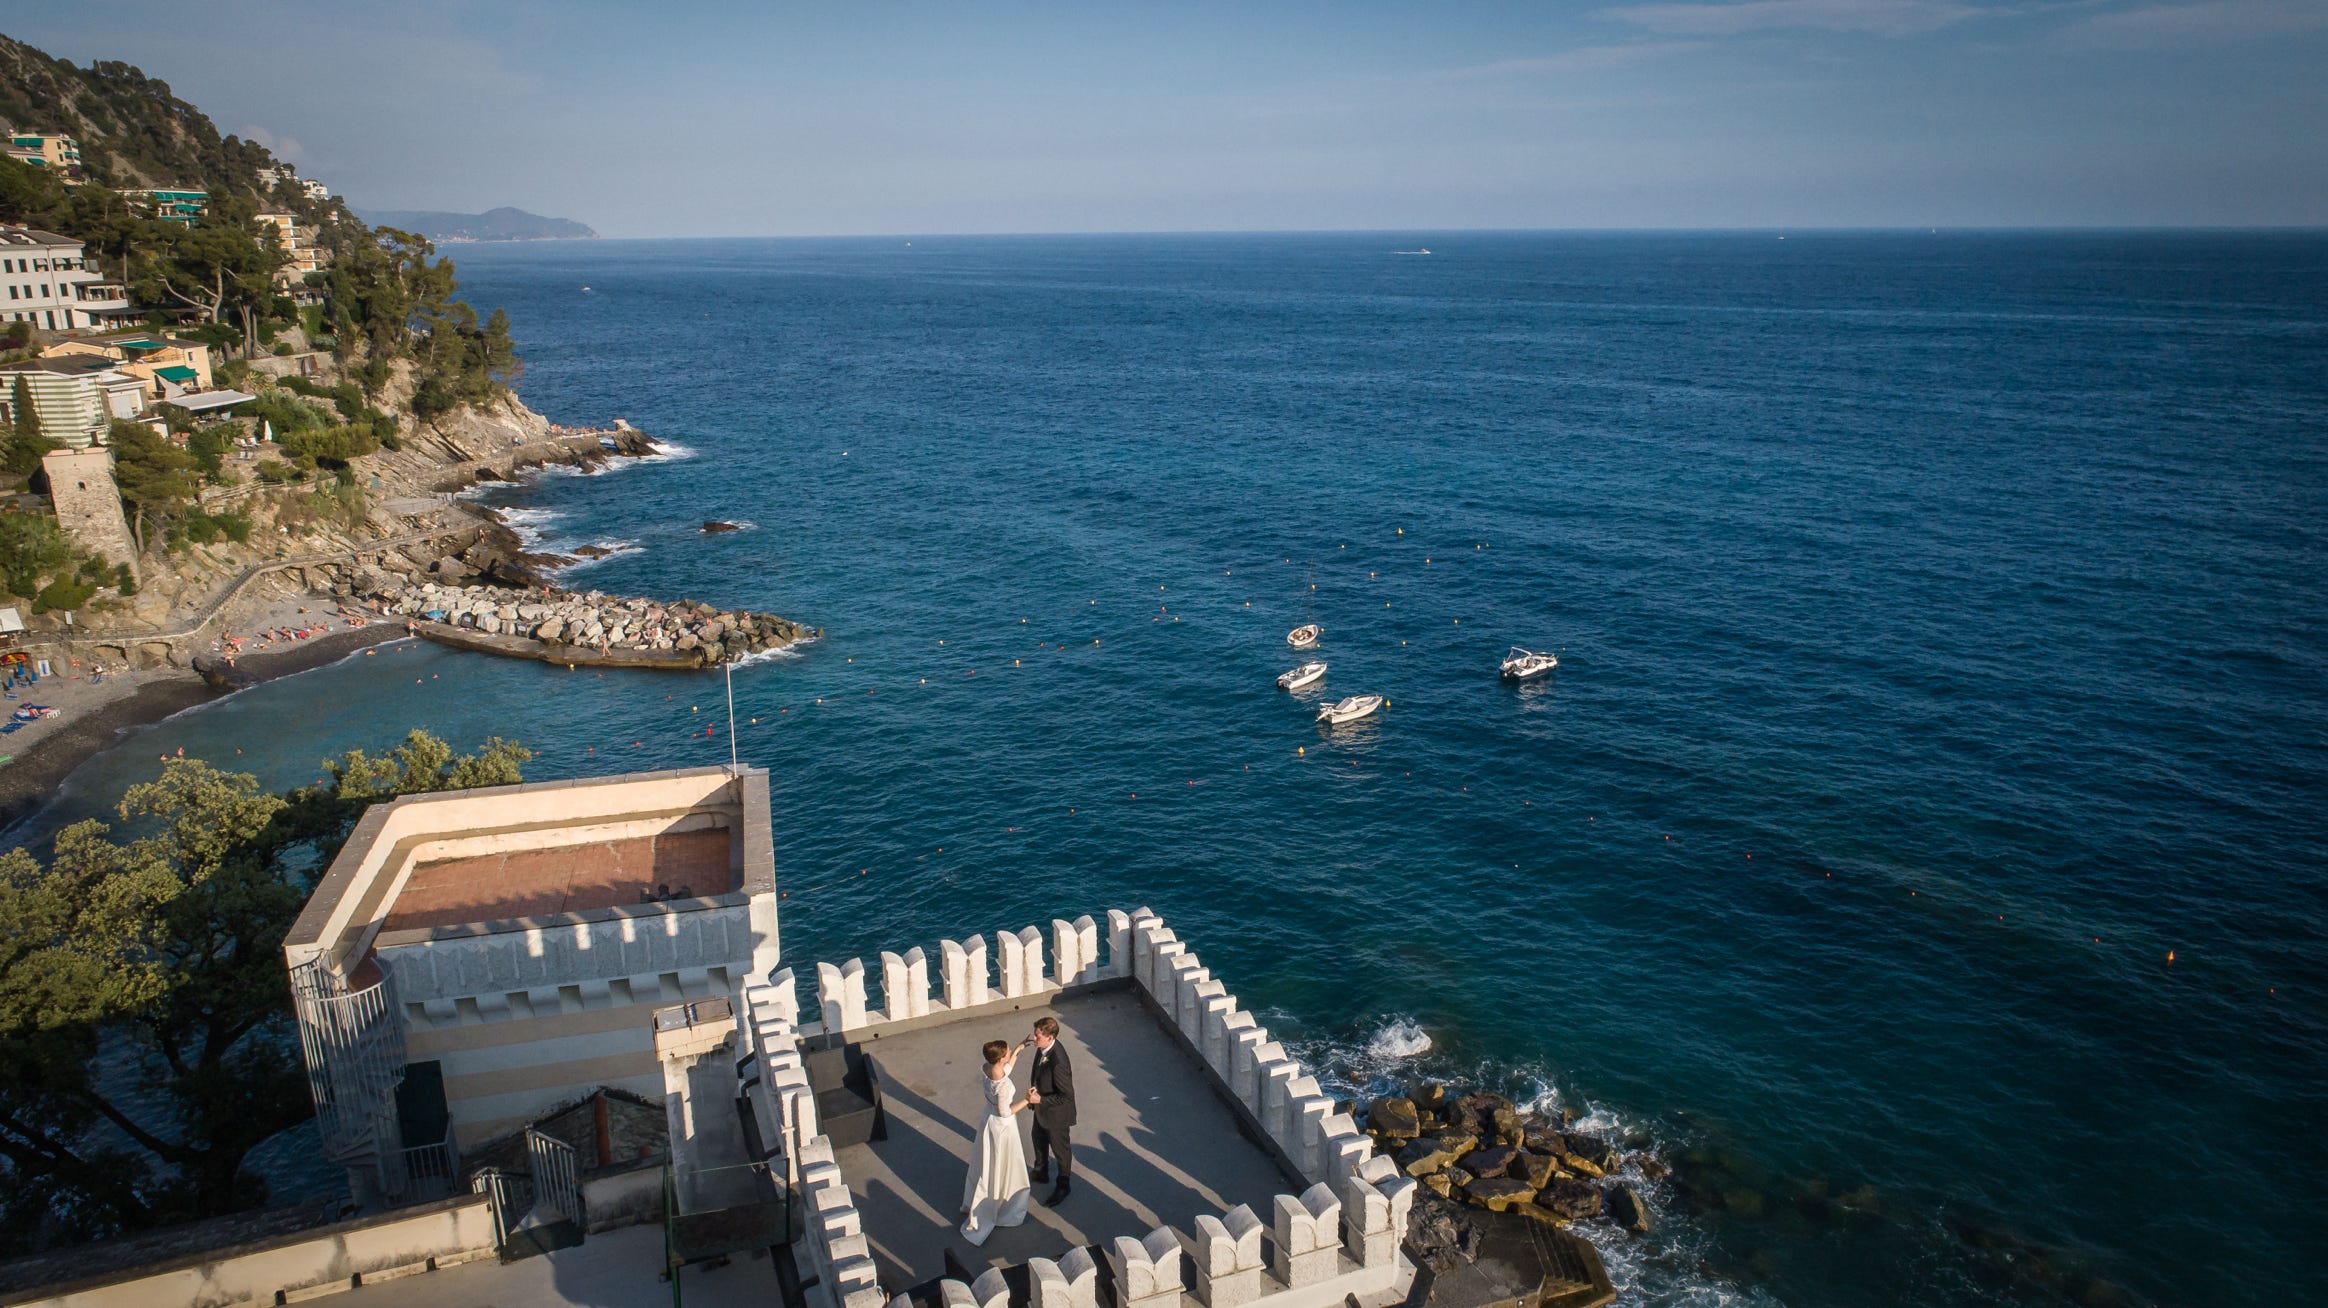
x,y
1941,636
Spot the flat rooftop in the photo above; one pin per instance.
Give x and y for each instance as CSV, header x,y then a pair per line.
x,y
1153,1146
504,857
565,879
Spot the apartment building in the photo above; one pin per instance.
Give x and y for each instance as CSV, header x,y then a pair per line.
x,y
172,204
58,154
47,281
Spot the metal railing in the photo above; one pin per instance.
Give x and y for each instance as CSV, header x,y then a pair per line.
x,y
509,1198
556,1180
439,1163
354,1049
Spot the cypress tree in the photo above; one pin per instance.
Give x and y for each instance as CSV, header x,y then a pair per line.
x,y
25,444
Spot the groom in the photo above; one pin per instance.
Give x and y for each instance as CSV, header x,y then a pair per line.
x,y
1051,1094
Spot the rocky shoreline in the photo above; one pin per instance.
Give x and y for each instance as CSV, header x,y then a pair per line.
x,y
1501,1190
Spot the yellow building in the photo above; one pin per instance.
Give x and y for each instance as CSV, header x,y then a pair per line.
x,y
171,365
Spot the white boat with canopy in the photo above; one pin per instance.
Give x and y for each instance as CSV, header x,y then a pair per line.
x,y
1520,664
1303,677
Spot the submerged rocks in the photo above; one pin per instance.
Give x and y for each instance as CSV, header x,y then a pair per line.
x,y
715,527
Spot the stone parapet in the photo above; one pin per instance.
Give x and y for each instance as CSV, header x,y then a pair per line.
x,y
1338,1237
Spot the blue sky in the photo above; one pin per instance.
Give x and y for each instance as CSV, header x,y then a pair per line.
x,y
704,119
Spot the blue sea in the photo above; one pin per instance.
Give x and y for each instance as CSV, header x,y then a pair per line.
x,y
1921,841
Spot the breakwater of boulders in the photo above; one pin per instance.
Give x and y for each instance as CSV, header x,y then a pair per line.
x,y
1481,1150
590,627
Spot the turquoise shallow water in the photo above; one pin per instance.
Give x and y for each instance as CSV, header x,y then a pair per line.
x,y
1941,633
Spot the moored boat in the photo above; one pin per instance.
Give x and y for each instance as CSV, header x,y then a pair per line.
x,y
1520,664
1304,636
1308,674
1350,710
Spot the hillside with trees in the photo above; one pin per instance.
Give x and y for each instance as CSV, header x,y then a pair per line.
x,y
402,356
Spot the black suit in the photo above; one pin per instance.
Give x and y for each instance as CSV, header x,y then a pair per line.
x,y
1054,1077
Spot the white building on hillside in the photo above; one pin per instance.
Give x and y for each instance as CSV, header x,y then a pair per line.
x,y
73,398
46,281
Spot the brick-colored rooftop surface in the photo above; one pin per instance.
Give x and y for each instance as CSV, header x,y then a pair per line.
x,y
565,879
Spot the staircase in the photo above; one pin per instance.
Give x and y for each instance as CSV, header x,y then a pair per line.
x,y
354,1048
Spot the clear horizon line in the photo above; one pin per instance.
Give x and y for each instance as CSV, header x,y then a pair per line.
x,y
1755,230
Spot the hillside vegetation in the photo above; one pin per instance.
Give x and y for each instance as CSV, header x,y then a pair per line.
x,y
405,357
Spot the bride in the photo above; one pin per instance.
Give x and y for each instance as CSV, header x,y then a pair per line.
x,y
995,1192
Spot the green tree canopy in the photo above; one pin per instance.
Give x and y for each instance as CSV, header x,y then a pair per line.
x,y
33,547
156,477
172,942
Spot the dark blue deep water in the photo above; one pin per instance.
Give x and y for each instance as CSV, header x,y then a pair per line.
x,y
1941,635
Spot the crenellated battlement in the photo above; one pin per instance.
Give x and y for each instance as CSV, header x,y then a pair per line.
x,y
1332,1235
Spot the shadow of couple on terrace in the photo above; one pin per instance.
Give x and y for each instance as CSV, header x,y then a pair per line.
x,y
1153,1145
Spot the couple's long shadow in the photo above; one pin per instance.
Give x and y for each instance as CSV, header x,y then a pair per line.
x,y
1154,1145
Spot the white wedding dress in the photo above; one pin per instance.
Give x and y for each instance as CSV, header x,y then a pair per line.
x,y
996,1191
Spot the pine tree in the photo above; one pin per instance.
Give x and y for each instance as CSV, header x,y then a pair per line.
x,y
25,444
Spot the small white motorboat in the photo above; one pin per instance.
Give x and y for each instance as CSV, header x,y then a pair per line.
x,y
1304,636
1350,710
1303,677
1522,664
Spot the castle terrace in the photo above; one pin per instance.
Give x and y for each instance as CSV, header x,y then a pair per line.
x,y
1153,1144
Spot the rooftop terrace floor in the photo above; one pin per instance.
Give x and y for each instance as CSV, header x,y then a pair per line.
x,y
563,879
1153,1146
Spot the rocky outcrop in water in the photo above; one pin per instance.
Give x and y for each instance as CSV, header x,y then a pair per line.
x,y
1482,1151
592,627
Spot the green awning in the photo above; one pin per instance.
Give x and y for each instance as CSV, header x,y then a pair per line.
x,y
177,374
139,343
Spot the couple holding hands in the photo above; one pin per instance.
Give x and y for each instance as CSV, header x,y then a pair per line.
x,y
999,1184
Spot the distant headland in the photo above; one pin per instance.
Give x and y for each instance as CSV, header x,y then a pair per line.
x,y
503,224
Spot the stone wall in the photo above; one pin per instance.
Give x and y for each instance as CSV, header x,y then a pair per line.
x,y
88,503
366,1251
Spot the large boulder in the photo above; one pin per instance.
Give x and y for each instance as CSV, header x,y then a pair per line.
x,y
1600,1153
1498,1193
1394,1117
1580,1163
1494,1160
219,674
1627,1210
1432,1154
1534,1168
1572,1199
